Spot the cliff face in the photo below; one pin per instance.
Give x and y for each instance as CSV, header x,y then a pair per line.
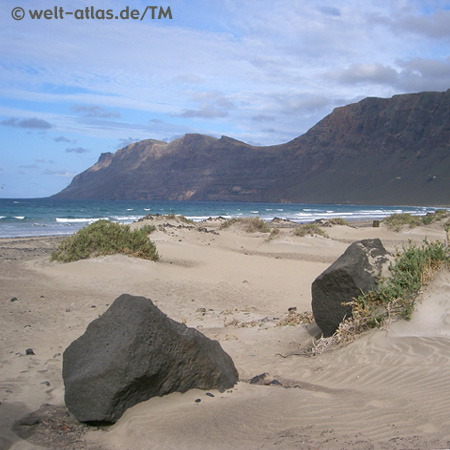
x,y
377,151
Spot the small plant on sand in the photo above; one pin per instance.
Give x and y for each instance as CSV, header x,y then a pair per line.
x,y
179,218
184,219
396,296
252,224
396,222
338,221
274,232
434,217
309,228
107,238
227,223
413,268
294,318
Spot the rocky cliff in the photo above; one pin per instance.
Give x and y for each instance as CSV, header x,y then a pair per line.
x,y
376,151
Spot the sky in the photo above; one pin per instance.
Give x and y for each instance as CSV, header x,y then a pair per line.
x,y
264,72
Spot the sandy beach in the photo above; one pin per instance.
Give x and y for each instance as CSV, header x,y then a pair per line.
x,y
387,390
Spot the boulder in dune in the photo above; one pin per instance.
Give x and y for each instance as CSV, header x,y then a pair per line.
x,y
358,270
134,352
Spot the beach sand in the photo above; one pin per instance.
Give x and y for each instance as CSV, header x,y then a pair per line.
x,y
388,390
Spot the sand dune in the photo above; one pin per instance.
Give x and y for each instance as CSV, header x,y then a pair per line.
x,y
386,390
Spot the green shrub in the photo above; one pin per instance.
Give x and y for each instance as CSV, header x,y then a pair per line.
x,y
396,222
309,228
447,226
396,296
107,238
228,223
254,224
433,217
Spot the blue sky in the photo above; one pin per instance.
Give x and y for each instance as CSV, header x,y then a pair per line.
x,y
260,71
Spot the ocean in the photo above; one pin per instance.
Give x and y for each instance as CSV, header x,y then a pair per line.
x,y
47,216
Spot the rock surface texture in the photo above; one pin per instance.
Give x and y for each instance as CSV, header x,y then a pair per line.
x,y
358,269
134,352
378,151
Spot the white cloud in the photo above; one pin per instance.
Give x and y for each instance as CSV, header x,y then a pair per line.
x,y
260,71
435,25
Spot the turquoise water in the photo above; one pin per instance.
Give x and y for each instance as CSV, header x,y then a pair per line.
x,y
46,216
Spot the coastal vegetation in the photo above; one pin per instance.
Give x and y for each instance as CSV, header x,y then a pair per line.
x,y
396,296
170,216
309,228
396,222
107,238
251,224
338,221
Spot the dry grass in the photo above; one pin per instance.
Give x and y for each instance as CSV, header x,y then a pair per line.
x,y
395,298
396,222
274,232
251,224
294,318
309,228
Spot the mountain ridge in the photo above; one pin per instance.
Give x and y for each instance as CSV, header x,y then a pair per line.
x,y
376,151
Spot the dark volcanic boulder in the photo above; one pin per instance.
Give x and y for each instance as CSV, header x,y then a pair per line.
x,y
358,269
134,352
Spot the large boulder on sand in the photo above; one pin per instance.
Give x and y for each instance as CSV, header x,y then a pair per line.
x,y
358,270
134,352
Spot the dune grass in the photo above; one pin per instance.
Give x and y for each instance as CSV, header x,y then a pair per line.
x,y
251,224
397,221
309,228
338,221
395,298
107,238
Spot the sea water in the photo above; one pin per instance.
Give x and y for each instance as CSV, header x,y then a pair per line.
x,y
47,216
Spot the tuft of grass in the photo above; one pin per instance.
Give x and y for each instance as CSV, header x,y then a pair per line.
x,y
447,226
252,224
309,228
228,223
338,221
433,217
179,218
294,318
397,221
106,238
274,232
396,296
185,219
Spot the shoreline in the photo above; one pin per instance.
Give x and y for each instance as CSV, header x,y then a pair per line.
x,y
382,391
353,222
43,217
